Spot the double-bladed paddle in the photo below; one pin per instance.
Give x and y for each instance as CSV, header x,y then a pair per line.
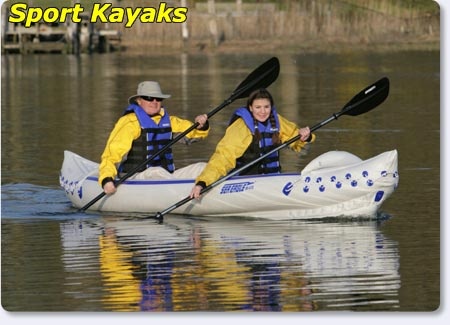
x,y
261,77
364,101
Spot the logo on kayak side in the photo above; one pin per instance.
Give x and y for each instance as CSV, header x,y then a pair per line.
x,y
236,187
288,188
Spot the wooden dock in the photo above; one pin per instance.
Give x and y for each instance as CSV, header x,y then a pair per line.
x,y
41,37
71,38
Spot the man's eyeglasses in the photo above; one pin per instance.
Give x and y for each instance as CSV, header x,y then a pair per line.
x,y
150,99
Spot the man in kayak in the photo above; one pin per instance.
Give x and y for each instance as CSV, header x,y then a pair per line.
x,y
253,131
143,130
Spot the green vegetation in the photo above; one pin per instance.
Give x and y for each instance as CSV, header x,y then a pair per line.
x,y
287,23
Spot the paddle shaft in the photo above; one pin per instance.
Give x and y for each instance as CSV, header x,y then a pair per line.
x,y
363,102
262,76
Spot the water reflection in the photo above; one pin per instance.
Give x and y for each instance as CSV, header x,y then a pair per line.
x,y
223,265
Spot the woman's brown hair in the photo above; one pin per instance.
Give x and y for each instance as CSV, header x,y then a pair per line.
x,y
263,93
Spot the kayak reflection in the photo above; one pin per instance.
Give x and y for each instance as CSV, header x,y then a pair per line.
x,y
188,264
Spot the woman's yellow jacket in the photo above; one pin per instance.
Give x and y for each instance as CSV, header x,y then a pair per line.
x,y
235,142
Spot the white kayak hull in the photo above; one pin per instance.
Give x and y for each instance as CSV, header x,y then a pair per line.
x,y
334,184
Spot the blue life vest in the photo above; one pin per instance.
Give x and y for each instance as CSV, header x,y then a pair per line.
x,y
270,164
153,137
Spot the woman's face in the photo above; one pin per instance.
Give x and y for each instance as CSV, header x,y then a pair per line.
x,y
260,109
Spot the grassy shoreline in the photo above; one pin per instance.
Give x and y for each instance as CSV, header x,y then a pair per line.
x,y
285,46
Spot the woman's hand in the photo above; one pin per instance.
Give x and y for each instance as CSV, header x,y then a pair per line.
x,y
304,133
195,192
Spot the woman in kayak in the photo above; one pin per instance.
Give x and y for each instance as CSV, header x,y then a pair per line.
x,y
253,131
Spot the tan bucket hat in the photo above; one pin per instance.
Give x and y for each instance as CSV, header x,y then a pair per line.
x,y
150,89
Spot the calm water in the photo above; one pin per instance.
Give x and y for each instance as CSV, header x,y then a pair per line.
x,y
55,259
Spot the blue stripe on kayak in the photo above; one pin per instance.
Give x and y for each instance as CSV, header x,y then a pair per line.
x,y
187,181
150,182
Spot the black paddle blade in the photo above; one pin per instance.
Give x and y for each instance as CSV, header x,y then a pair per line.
x,y
261,77
368,98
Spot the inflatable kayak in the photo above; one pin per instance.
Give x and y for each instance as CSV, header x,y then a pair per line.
x,y
336,183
